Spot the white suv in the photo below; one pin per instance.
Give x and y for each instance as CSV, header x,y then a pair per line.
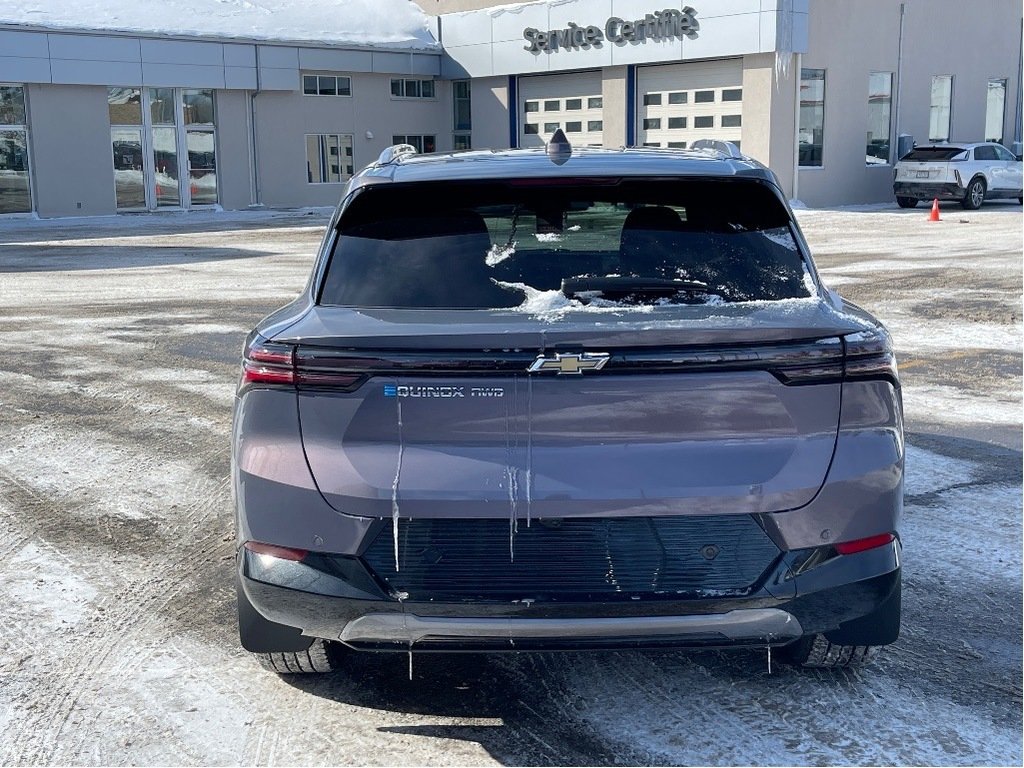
x,y
970,173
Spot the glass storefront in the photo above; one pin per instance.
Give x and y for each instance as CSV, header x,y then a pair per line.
x,y
15,188
159,137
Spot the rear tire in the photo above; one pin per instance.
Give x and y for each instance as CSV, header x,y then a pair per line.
x,y
906,202
319,658
975,194
815,652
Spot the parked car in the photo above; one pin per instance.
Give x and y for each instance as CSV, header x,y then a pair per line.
x,y
969,173
566,399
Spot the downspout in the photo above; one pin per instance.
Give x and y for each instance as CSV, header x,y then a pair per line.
x,y
894,140
254,177
797,77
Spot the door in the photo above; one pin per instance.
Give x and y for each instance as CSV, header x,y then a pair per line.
x,y
570,102
1012,176
680,103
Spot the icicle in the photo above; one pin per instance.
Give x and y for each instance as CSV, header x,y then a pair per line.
x,y
529,449
394,484
783,41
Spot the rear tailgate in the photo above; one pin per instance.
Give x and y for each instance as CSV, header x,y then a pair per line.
x,y
701,416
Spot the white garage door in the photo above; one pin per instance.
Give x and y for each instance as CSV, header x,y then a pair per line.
x,y
681,103
570,102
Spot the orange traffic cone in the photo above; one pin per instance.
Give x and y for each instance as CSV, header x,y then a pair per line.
x,y
934,215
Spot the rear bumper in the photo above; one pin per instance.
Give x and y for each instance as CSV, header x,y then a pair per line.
x,y
929,191
338,600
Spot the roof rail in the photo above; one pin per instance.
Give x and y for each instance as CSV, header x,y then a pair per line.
x,y
726,148
394,152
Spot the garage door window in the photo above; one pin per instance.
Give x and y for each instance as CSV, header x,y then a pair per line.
x,y
940,112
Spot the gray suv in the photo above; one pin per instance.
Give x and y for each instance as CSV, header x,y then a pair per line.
x,y
566,399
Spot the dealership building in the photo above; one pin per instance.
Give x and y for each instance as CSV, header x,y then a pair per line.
x,y
112,113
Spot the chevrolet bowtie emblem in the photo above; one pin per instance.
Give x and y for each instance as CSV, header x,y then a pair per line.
x,y
572,363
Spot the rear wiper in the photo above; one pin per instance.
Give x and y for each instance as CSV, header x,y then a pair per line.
x,y
608,287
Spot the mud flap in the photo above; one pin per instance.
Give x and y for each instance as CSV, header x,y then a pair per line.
x,y
260,635
880,627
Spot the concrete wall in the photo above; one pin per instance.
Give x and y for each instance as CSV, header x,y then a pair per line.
x,y
614,93
489,104
768,115
71,156
284,118
940,38
234,161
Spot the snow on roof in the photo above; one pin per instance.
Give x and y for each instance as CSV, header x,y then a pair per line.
x,y
387,23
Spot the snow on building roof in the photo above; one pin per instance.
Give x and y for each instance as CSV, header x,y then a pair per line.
x,y
386,23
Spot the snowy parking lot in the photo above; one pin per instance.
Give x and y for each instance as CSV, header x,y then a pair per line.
x,y
121,340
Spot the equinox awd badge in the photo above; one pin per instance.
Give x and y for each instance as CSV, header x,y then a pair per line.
x,y
572,363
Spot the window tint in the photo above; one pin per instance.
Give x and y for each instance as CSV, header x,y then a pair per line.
x,y
732,121
530,129
1004,154
703,97
732,94
706,121
552,105
652,99
574,126
985,153
679,97
933,154
483,245
676,122
573,104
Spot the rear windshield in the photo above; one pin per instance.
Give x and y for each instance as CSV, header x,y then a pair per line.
x,y
933,154
491,245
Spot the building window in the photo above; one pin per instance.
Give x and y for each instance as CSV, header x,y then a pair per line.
x,y
732,121
595,102
812,117
652,99
328,158
703,97
995,110
879,118
677,145
462,113
15,192
532,106
574,127
675,123
942,102
461,142
422,143
573,104
705,121
550,127
326,85
652,123
732,94
678,97
595,125
652,144
531,129
553,105
411,89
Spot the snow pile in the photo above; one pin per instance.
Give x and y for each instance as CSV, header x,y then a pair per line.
x,y
392,23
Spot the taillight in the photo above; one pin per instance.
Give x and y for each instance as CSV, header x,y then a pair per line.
x,y
862,545
264,362
267,363
869,355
